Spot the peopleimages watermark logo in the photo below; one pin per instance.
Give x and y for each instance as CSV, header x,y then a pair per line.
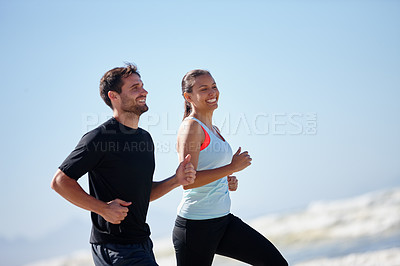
x,y
274,124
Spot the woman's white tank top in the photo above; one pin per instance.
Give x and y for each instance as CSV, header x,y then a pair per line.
x,y
211,200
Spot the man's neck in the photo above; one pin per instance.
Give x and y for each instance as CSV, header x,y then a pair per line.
x,y
127,119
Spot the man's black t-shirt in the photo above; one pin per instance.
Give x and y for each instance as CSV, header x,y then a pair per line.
x,y
120,164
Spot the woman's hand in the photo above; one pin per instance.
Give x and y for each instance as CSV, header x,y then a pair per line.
x,y
240,160
232,183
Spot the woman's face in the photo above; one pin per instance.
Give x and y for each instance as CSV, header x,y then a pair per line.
x,y
205,94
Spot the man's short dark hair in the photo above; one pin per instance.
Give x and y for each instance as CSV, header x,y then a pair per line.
x,y
112,80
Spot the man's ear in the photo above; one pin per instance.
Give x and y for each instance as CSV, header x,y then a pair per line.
x,y
113,95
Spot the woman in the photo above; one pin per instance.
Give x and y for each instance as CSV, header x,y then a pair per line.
x,y
204,226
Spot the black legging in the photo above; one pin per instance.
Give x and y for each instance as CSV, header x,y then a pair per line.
x,y
196,242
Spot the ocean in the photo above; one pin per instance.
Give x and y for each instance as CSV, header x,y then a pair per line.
x,y
363,230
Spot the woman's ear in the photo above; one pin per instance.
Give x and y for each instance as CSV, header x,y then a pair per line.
x,y
187,97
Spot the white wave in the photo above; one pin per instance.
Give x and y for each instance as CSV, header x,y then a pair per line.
x,y
78,258
367,215
389,257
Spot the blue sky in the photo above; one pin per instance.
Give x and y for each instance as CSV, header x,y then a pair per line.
x,y
311,89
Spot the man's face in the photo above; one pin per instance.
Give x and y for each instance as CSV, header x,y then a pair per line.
x,y
133,95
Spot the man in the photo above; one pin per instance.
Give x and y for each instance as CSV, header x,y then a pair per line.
x,y
119,159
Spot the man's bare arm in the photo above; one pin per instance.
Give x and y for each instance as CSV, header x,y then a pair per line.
x,y
185,175
114,211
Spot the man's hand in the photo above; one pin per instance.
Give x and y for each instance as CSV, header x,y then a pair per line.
x,y
185,174
232,183
116,211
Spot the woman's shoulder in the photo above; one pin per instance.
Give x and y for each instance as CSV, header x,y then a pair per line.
x,y
190,127
191,124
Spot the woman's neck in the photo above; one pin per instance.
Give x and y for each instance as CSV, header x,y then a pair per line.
x,y
206,118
